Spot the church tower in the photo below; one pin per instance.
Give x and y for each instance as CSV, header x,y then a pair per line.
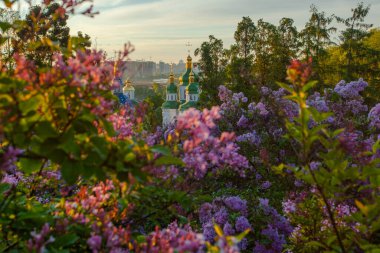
x,y
171,105
192,94
184,80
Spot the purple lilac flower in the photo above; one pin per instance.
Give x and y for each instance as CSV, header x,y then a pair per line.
x,y
221,216
262,109
314,165
289,206
252,138
266,185
10,179
95,243
243,122
374,116
318,102
265,90
236,204
228,229
209,232
9,159
224,93
350,90
242,224
205,212
252,106
38,241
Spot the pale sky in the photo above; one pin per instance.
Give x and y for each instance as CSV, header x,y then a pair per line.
x,y
159,29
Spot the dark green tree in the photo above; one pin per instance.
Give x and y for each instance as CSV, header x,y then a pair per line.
x,y
82,41
352,42
45,31
267,39
316,38
212,64
240,57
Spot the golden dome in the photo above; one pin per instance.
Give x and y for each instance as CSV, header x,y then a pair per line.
x,y
189,64
128,86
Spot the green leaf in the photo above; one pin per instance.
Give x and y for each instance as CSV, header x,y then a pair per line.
x,y
285,86
65,240
30,165
31,104
70,171
161,150
169,160
5,26
309,85
45,130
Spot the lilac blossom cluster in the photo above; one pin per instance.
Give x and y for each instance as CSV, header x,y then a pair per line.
x,y
350,90
251,137
220,212
38,241
122,124
8,168
374,116
203,149
350,103
99,209
174,239
276,231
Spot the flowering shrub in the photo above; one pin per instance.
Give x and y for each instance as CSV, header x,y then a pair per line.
x,y
204,149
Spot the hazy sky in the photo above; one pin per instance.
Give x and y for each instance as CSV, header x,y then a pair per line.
x,y
159,29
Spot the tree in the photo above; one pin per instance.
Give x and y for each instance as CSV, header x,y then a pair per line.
x,y
245,37
83,41
240,57
316,37
267,39
212,64
352,41
45,31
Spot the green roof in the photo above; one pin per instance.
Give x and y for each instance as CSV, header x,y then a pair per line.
x,y
193,88
170,105
171,88
187,105
184,78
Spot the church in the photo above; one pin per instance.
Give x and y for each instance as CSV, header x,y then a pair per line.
x,y
182,96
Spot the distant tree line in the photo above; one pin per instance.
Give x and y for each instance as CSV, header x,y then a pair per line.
x,y
262,51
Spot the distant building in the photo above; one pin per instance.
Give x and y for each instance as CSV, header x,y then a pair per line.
x,y
139,69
